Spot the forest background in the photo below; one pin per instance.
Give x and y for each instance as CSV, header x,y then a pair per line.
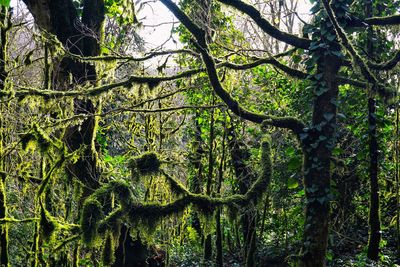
x,y
258,134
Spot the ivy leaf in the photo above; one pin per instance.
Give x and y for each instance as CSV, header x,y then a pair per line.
x,y
292,183
328,116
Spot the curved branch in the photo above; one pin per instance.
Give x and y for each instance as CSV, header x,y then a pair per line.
x,y
197,32
287,122
266,26
384,21
130,58
366,72
388,65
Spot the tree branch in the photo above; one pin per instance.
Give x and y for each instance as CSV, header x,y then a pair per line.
x,y
290,123
266,26
366,72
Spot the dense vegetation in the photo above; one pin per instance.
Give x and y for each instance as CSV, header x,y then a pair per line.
x,y
269,138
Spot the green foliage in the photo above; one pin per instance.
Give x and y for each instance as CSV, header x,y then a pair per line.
x,y
5,3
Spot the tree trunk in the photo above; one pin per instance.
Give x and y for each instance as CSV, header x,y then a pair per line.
x,y
245,176
317,148
60,17
5,23
374,217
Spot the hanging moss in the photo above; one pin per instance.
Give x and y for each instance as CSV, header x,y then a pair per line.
x,y
108,255
145,164
37,137
47,224
120,188
42,138
90,218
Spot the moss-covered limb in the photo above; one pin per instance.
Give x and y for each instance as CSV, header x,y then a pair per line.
x,y
260,61
344,80
130,58
384,21
176,186
65,242
388,65
95,91
48,176
255,191
13,220
358,60
266,26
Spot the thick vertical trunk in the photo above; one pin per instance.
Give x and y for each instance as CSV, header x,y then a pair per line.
x,y
4,259
317,148
61,18
374,216
208,241
245,176
218,241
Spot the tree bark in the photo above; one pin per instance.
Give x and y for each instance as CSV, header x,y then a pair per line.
x,y
81,37
317,148
374,216
245,176
5,23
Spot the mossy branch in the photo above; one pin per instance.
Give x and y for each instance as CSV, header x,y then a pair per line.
x,y
95,222
130,58
291,123
366,72
384,21
13,220
388,65
266,26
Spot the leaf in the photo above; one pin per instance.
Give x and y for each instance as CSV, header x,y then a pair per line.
x,y
294,163
5,3
292,183
328,116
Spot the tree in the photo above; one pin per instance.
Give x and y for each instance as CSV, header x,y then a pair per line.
x,y
110,207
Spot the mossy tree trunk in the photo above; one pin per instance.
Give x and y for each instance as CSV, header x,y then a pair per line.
x,y
5,24
208,240
61,18
374,216
219,240
80,36
245,177
317,149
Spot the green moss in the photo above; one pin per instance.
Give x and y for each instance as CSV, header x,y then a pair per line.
x,y
28,141
145,164
47,224
108,251
90,218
